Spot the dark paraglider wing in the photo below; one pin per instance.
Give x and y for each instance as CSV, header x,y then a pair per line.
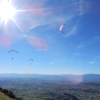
x,y
30,59
13,51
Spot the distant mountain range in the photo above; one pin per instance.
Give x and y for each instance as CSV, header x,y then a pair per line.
x,y
63,77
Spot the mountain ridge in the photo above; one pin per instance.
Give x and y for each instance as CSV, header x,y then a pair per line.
x,y
66,77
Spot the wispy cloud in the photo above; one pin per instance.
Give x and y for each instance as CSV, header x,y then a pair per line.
x,y
73,30
36,63
80,62
52,36
82,6
87,6
97,57
52,62
37,14
92,40
96,39
71,61
80,46
77,53
91,62
72,45
63,61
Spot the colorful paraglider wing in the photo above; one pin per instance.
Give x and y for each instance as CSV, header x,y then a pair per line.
x,y
61,26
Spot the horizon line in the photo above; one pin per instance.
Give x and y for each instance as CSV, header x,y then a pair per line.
x,y
49,74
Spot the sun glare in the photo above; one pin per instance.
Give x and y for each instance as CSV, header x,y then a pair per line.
x,y
6,11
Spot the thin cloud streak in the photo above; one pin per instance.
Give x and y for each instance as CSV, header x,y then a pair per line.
x,y
81,46
73,30
52,62
27,19
45,19
91,62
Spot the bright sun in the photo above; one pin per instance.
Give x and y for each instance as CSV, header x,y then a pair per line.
x,y
6,10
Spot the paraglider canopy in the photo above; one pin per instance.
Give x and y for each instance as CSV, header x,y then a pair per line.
x,y
13,51
30,60
61,26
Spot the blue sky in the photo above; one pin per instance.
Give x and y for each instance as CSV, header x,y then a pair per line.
x,y
34,33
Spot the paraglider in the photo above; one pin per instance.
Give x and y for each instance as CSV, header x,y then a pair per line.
x,y
30,60
61,26
13,51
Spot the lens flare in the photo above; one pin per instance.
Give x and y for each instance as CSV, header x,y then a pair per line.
x,y
6,11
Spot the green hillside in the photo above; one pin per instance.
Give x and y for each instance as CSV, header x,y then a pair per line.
x,y
4,97
7,95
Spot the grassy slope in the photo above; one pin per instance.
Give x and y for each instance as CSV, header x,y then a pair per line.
x,y
4,97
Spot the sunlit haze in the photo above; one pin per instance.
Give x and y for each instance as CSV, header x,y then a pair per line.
x,y
59,36
6,10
